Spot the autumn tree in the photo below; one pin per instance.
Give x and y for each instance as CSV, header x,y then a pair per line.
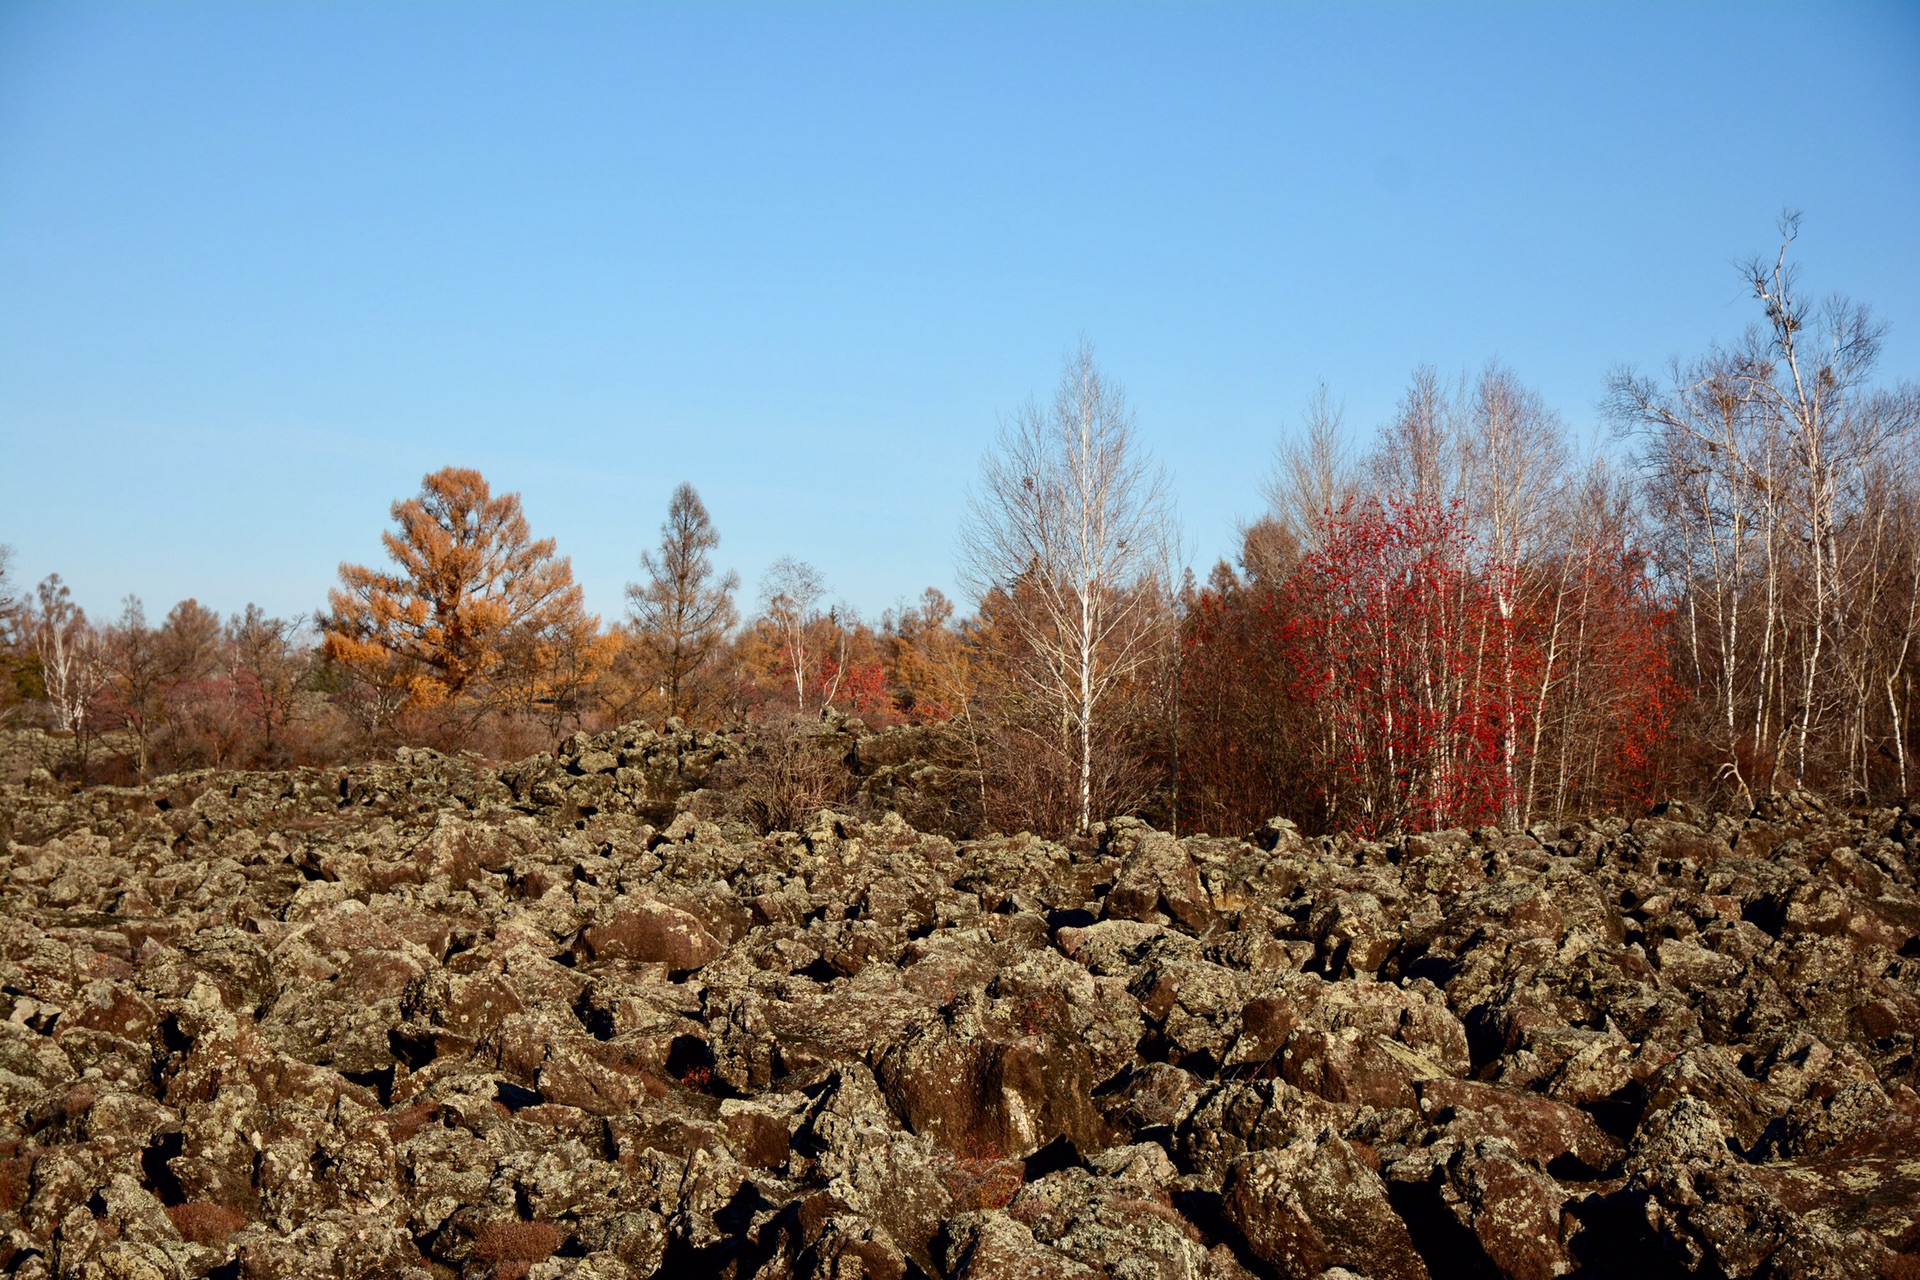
x,y
682,614
927,661
1384,626
150,664
270,670
72,662
1779,478
471,601
935,680
1072,525
1604,697
1241,758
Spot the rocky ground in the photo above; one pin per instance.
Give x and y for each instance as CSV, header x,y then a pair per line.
x,y
434,1019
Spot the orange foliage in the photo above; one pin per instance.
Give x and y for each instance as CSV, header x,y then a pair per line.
x,y
473,602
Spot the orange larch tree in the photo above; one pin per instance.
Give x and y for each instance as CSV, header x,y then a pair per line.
x,y
470,593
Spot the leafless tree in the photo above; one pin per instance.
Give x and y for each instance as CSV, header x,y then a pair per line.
x,y
1778,477
141,667
9,604
790,601
273,670
1073,515
1421,452
73,663
1312,473
1512,464
683,611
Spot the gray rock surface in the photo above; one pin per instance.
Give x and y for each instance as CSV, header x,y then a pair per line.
x,y
574,1018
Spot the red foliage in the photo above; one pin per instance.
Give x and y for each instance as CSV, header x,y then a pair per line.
x,y
861,687
1611,697
1409,668
1398,678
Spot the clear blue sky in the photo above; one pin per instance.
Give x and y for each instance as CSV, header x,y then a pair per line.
x,y
263,266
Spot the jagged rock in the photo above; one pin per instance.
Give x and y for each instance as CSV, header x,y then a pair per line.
x,y
578,1017
1157,878
651,932
1543,1130
1313,1205
992,1081
995,1246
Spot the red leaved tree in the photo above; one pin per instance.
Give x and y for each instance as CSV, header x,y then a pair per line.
x,y
1401,657
1604,694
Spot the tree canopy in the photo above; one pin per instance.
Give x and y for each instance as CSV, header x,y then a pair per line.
x,y
470,589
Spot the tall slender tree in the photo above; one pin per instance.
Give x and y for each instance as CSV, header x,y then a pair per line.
x,y
804,636
1780,479
73,663
1073,520
682,613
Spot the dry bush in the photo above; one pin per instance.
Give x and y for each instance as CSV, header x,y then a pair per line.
x,y
983,1182
201,1223
792,771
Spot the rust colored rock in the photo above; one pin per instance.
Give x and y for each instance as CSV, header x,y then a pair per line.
x,y
1351,1066
652,931
1542,1128
1514,1211
760,1136
1314,1205
982,1092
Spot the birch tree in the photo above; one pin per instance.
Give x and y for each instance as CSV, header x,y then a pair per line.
x,y
804,634
73,663
1513,462
1778,476
1312,473
1072,515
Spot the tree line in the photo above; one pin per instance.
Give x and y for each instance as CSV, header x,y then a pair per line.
x,y
1463,622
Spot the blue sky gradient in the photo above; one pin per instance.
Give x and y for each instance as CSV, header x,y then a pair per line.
x,y
263,266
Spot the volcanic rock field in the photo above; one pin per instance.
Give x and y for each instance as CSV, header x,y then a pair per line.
x,y
435,1018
